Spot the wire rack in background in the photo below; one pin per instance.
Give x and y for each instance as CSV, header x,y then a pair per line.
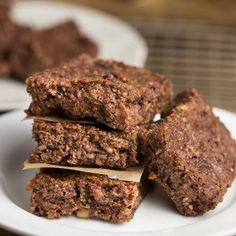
x,y
193,54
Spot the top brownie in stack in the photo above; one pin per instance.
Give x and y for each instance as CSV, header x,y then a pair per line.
x,y
106,91
191,154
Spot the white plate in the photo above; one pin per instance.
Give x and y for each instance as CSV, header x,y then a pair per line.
x,y
116,39
156,215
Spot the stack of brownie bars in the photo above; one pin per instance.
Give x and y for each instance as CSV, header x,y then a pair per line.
x,y
115,100
106,111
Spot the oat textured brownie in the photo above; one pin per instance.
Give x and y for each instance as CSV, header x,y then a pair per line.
x,y
57,193
107,91
191,154
73,144
47,48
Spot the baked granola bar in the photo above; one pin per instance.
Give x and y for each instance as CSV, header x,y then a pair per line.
x,y
74,144
57,193
50,47
107,91
191,154
9,35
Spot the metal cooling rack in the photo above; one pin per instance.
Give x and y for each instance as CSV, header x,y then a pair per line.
x,y
193,54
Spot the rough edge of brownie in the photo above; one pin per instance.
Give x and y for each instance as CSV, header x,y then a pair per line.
x,y
56,193
70,144
191,153
110,92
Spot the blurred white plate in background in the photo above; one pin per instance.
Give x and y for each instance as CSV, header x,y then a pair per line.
x,y
155,216
116,39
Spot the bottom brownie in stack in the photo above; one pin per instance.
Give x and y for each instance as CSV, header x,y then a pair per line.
x,y
57,193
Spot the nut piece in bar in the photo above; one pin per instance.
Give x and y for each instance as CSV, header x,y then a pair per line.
x,y
47,48
191,154
107,91
74,144
57,193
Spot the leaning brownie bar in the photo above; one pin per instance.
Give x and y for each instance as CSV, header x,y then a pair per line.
x,y
191,154
110,92
57,193
47,48
73,144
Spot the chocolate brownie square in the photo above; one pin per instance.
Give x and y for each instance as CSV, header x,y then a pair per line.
x,y
57,193
107,91
191,153
74,144
10,33
49,47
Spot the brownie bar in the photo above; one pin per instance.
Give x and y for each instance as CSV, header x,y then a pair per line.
x,y
73,144
8,31
110,92
191,154
57,193
9,35
47,48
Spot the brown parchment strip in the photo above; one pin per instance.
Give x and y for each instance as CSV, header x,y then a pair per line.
x,y
130,174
